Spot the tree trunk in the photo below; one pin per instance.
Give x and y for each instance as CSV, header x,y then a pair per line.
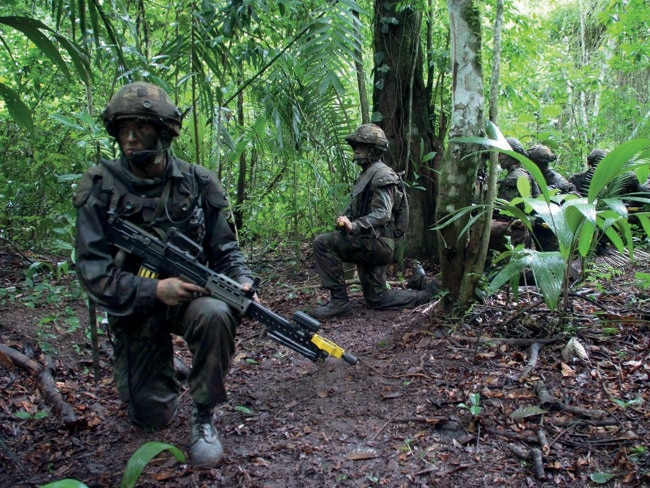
x,y
459,251
364,106
402,108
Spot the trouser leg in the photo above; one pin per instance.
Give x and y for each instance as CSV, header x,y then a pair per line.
x,y
329,252
208,326
332,249
378,297
373,283
143,369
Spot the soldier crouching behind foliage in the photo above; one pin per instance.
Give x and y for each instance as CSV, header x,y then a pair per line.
x,y
366,236
503,226
151,188
542,156
582,180
626,184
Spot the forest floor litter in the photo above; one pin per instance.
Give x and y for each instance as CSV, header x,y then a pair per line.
x,y
511,396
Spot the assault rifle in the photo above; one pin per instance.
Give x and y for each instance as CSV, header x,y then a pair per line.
x,y
173,258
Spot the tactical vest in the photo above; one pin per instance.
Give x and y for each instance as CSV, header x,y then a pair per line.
x,y
376,176
179,202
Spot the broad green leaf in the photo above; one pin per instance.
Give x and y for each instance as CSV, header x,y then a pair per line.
x,y
519,260
17,109
644,220
548,270
553,215
67,121
601,477
577,211
619,232
66,483
585,238
33,28
475,213
79,59
518,213
617,205
141,458
524,412
501,144
613,164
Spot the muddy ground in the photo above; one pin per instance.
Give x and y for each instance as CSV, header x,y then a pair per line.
x,y
431,402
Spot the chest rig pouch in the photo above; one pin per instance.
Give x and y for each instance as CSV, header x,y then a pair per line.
x,y
177,203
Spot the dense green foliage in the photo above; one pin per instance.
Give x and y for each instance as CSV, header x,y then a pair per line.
x,y
270,90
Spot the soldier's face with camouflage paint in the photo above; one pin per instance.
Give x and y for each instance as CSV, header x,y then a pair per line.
x,y
506,162
361,154
136,135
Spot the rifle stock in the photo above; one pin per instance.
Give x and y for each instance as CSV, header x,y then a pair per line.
x,y
160,256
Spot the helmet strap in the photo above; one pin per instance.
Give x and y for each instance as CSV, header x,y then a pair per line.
x,y
142,159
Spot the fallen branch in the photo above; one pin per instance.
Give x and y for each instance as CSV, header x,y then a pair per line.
x,y
423,420
506,340
543,441
534,455
547,401
587,444
47,385
374,436
532,361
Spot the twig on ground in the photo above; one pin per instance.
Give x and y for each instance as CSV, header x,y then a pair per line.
x,y
374,436
507,340
12,456
547,401
534,455
532,361
532,306
47,385
543,441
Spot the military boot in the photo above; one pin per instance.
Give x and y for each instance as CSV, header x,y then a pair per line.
x,y
333,308
182,370
416,282
432,287
206,447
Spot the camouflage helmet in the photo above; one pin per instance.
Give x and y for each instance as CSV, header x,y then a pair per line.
x,y
596,156
142,100
541,155
368,135
517,146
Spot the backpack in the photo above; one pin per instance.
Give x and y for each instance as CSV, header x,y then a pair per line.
x,y
401,208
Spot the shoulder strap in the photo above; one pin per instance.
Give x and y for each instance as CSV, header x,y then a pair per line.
x,y
114,183
365,179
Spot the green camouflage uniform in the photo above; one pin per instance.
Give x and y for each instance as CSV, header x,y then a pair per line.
x,y
508,185
191,199
370,245
555,180
503,226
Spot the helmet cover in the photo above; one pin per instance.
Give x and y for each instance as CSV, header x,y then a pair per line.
x,y
541,154
596,156
142,100
368,135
